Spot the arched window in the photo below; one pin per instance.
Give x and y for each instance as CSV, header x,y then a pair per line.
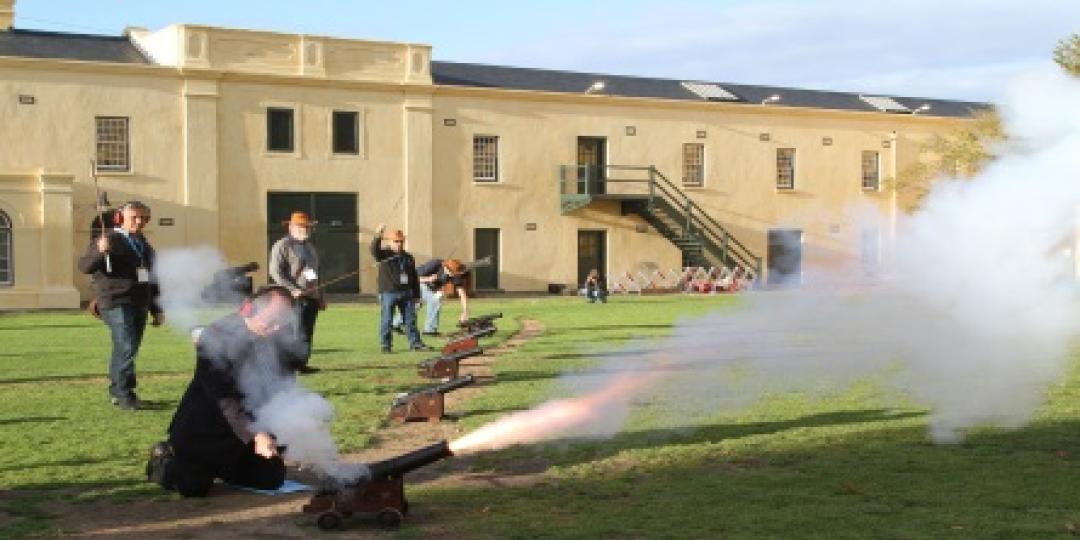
x,y
7,264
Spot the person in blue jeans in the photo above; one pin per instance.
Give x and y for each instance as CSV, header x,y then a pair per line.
x,y
434,276
398,287
121,262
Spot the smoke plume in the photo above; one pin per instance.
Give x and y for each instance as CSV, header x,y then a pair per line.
x,y
973,316
182,275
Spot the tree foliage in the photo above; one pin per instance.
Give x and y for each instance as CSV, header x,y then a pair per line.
x,y
1067,54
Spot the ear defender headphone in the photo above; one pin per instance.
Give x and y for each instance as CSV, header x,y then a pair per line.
x,y
118,215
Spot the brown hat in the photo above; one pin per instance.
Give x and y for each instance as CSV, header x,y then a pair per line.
x,y
301,219
454,266
397,235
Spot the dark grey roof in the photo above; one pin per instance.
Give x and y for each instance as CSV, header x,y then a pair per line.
x,y
42,44
485,76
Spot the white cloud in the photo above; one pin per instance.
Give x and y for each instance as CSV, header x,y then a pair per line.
x,y
960,49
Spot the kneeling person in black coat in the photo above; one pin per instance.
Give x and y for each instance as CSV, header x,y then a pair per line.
x,y
242,359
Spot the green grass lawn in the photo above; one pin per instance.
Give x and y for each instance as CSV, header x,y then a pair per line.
x,y
848,465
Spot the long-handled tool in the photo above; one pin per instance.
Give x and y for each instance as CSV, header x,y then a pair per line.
x,y
99,210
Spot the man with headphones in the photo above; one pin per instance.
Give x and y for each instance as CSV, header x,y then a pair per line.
x,y
121,262
243,361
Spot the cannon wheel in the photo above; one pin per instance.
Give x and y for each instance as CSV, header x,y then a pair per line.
x,y
328,521
389,518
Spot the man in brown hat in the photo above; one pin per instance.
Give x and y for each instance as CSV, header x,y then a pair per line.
x,y
433,276
294,265
398,287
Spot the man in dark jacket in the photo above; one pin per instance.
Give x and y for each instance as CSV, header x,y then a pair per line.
x,y
122,264
242,360
398,287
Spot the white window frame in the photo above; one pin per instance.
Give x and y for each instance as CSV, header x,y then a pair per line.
x,y
494,167
686,165
7,250
99,164
794,170
876,181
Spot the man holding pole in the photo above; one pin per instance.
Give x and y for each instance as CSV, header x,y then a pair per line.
x,y
294,265
398,287
122,264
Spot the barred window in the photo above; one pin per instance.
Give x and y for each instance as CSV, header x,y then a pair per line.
x,y
279,129
113,143
346,128
6,262
485,158
693,159
871,170
785,168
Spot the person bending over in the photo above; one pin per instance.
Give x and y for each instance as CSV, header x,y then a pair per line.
x,y
242,360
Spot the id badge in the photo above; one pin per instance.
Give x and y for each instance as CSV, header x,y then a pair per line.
x,y
404,279
310,274
143,275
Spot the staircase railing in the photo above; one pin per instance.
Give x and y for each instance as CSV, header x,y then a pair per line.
x,y
578,184
699,224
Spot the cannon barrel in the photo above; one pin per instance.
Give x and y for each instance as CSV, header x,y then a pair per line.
x,y
448,386
480,319
397,466
454,357
237,271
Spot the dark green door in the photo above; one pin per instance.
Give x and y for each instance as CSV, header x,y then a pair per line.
x,y
591,254
592,164
487,244
336,235
785,257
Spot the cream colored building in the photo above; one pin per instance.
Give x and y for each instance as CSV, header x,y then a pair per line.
x,y
224,131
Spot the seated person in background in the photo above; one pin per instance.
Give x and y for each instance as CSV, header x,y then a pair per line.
x,y
725,282
239,357
740,279
594,287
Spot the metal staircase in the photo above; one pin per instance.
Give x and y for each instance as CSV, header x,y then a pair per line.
x,y
646,192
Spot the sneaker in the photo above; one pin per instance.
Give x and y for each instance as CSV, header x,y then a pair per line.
x,y
386,350
157,467
433,333
420,347
307,370
130,403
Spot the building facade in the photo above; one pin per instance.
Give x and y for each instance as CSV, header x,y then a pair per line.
x,y
223,132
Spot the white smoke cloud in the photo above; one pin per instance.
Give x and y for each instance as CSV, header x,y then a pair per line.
x,y
974,320
182,275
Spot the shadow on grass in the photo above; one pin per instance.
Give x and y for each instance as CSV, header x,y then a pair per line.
x,y
30,420
42,326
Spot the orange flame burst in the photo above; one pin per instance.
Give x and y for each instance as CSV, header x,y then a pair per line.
x,y
553,418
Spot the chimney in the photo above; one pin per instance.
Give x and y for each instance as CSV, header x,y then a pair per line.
x,y
7,14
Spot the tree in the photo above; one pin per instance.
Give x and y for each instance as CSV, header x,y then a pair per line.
x,y
959,154
963,153
1067,54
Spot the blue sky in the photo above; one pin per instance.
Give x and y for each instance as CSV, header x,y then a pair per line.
x,y
961,49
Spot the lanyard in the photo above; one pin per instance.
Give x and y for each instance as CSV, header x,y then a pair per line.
x,y
136,246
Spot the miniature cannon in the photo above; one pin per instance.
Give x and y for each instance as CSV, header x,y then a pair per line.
x,y
466,341
380,495
479,323
427,404
445,365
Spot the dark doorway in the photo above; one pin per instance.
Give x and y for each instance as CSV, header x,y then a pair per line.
x,y
785,257
591,254
487,244
336,235
592,164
